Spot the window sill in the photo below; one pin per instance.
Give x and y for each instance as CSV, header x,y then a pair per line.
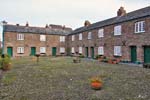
x,y
139,32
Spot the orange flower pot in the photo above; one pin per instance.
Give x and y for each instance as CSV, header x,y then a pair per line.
x,y
96,85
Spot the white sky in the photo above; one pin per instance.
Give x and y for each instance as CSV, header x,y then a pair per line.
x,y
71,13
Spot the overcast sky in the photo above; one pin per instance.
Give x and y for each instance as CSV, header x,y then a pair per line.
x,y
71,13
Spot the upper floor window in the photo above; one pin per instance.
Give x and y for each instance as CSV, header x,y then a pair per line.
x,y
20,36
89,35
80,36
117,30
72,50
73,37
117,51
101,33
101,50
80,50
42,49
62,38
42,37
140,27
62,50
20,50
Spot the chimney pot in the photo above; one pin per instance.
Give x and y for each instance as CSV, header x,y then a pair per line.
x,y
121,11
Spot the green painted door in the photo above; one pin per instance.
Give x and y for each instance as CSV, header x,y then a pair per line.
x,y
147,54
86,51
133,54
54,50
10,51
33,51
92,52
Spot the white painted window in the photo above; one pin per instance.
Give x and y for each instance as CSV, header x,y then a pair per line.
x,y
72,50
20,49
73,37
140,27
101,33
42,37
117,30
62,50
20,36
117,51
80,36
42,49
80,50
62,38
89,35
101,50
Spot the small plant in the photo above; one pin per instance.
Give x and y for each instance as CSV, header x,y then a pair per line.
x,y
81,56
5,62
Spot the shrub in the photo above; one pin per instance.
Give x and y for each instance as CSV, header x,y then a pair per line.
x,y
81,56
5,62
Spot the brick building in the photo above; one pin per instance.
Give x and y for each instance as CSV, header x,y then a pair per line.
x,y
26,40
126,36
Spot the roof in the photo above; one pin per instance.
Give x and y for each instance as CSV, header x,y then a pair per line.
x,y
144,12
37,30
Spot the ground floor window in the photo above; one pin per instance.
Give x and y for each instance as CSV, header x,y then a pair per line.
x,y
80,50
62,50
42,49
117,51
20,50
101,50
72,50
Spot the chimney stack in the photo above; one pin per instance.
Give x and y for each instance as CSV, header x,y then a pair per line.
x,y
46,26
17,24
27,24
87,23
121,12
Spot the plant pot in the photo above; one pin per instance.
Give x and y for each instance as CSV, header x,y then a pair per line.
x,y
6,66
96,85
114,62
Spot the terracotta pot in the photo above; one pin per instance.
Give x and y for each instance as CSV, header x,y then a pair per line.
x,y
96,85
6,66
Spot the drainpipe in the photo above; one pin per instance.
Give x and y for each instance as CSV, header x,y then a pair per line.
x,y
3,26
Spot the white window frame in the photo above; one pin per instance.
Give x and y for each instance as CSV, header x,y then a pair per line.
x,y
20,36
73,37
72,50
100,33
42,37
80,50
80,36
43,50
20,50
62,38
117,51
139,27
117,30
62,50
101,50
89,35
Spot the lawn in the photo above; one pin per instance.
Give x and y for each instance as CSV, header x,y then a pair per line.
x,y
61,79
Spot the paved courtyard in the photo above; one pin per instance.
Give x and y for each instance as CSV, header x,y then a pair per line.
x,y
61,79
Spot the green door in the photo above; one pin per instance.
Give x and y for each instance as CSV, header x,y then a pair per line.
x,y
92,52
133,54
147,54
86,51
10,51
54,51
33,51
